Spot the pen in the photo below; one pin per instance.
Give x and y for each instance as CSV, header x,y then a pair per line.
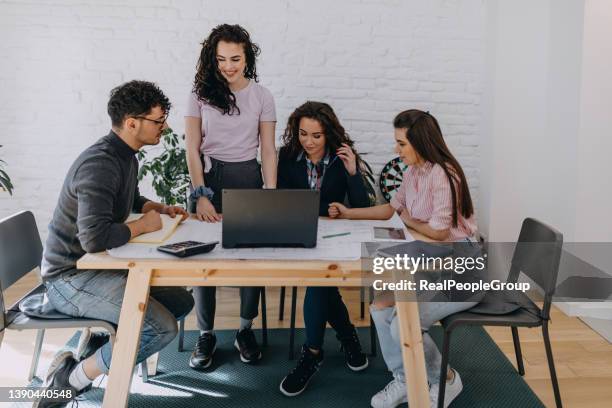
x,y
336,235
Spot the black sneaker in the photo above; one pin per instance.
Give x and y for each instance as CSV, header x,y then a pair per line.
x,y
57,379
356,359
247,346
202,354
89,342
297,380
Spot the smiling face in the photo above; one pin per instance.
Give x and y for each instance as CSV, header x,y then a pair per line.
x,y
404,149
231,61
312,138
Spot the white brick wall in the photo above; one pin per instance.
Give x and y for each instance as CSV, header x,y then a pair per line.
x,y
369,59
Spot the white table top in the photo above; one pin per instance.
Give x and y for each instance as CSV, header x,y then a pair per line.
x,y
346,247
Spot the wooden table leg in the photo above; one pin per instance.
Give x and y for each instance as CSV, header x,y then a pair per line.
x,y
133,310
412,352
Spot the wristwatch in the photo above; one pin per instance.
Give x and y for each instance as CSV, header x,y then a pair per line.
x,y
202,191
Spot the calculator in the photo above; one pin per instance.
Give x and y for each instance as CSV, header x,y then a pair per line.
x,y
187,248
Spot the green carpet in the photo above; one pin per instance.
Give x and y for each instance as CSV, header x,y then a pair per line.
x,y
489,378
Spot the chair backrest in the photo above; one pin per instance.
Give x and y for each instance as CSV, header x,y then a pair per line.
x,y
537,255
20,247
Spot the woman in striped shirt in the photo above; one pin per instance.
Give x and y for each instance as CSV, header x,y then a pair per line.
x,y
434,200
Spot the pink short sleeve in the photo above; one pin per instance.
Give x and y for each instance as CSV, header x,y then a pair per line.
x,y
268,111
398,201
193,106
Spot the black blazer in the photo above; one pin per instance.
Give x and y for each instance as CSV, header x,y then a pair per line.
x,y
337,183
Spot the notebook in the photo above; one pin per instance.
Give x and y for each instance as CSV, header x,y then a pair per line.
x,y
157,237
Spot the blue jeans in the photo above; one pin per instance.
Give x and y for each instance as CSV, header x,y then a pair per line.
x,y
98,294
387,329
387,326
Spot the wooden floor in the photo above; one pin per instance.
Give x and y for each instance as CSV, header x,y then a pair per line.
x,y
583,358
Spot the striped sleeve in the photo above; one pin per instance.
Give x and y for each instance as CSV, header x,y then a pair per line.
x,y
442,201
398,201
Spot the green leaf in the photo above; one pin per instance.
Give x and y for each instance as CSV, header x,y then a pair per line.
x,y
168,170
5,183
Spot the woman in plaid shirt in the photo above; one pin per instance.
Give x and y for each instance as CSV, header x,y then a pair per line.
x,y
318,154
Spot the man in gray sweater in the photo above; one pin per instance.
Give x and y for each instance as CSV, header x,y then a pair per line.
x,y
99,192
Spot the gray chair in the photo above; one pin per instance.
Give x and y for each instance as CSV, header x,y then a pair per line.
x,y
20,253
537,255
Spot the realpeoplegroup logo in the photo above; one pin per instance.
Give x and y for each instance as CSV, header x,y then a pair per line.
x,y
424,285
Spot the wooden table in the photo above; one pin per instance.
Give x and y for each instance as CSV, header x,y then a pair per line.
x,y
144,273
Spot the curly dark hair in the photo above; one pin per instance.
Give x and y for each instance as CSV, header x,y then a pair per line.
x,y
209,85
135,98
424,134
335,134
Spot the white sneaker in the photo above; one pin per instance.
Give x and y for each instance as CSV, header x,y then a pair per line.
x,y
452,390
391,396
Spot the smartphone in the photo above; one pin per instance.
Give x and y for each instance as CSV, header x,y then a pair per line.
x,y
388,233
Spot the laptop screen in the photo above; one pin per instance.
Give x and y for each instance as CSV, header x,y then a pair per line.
x,y
270,218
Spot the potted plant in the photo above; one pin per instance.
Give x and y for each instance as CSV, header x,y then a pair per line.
x,y
5,180
168,170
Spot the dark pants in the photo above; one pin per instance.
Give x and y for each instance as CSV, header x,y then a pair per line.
x,y
227,175
322,305
205,304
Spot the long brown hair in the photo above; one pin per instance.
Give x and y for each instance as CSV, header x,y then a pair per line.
x,y
335,134
425,136
209,85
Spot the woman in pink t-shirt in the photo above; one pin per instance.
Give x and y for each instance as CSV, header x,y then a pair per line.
x,y
228,116
434,200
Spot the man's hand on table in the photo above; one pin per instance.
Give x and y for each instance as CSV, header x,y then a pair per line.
x,y
149,222
173,211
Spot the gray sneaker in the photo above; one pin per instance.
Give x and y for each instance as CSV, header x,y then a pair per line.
x,y
57,379
89,342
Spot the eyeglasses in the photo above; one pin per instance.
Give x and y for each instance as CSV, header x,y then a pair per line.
x,y
159,122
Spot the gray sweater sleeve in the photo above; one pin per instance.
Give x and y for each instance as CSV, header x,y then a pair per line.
x,y
96,183
139,201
